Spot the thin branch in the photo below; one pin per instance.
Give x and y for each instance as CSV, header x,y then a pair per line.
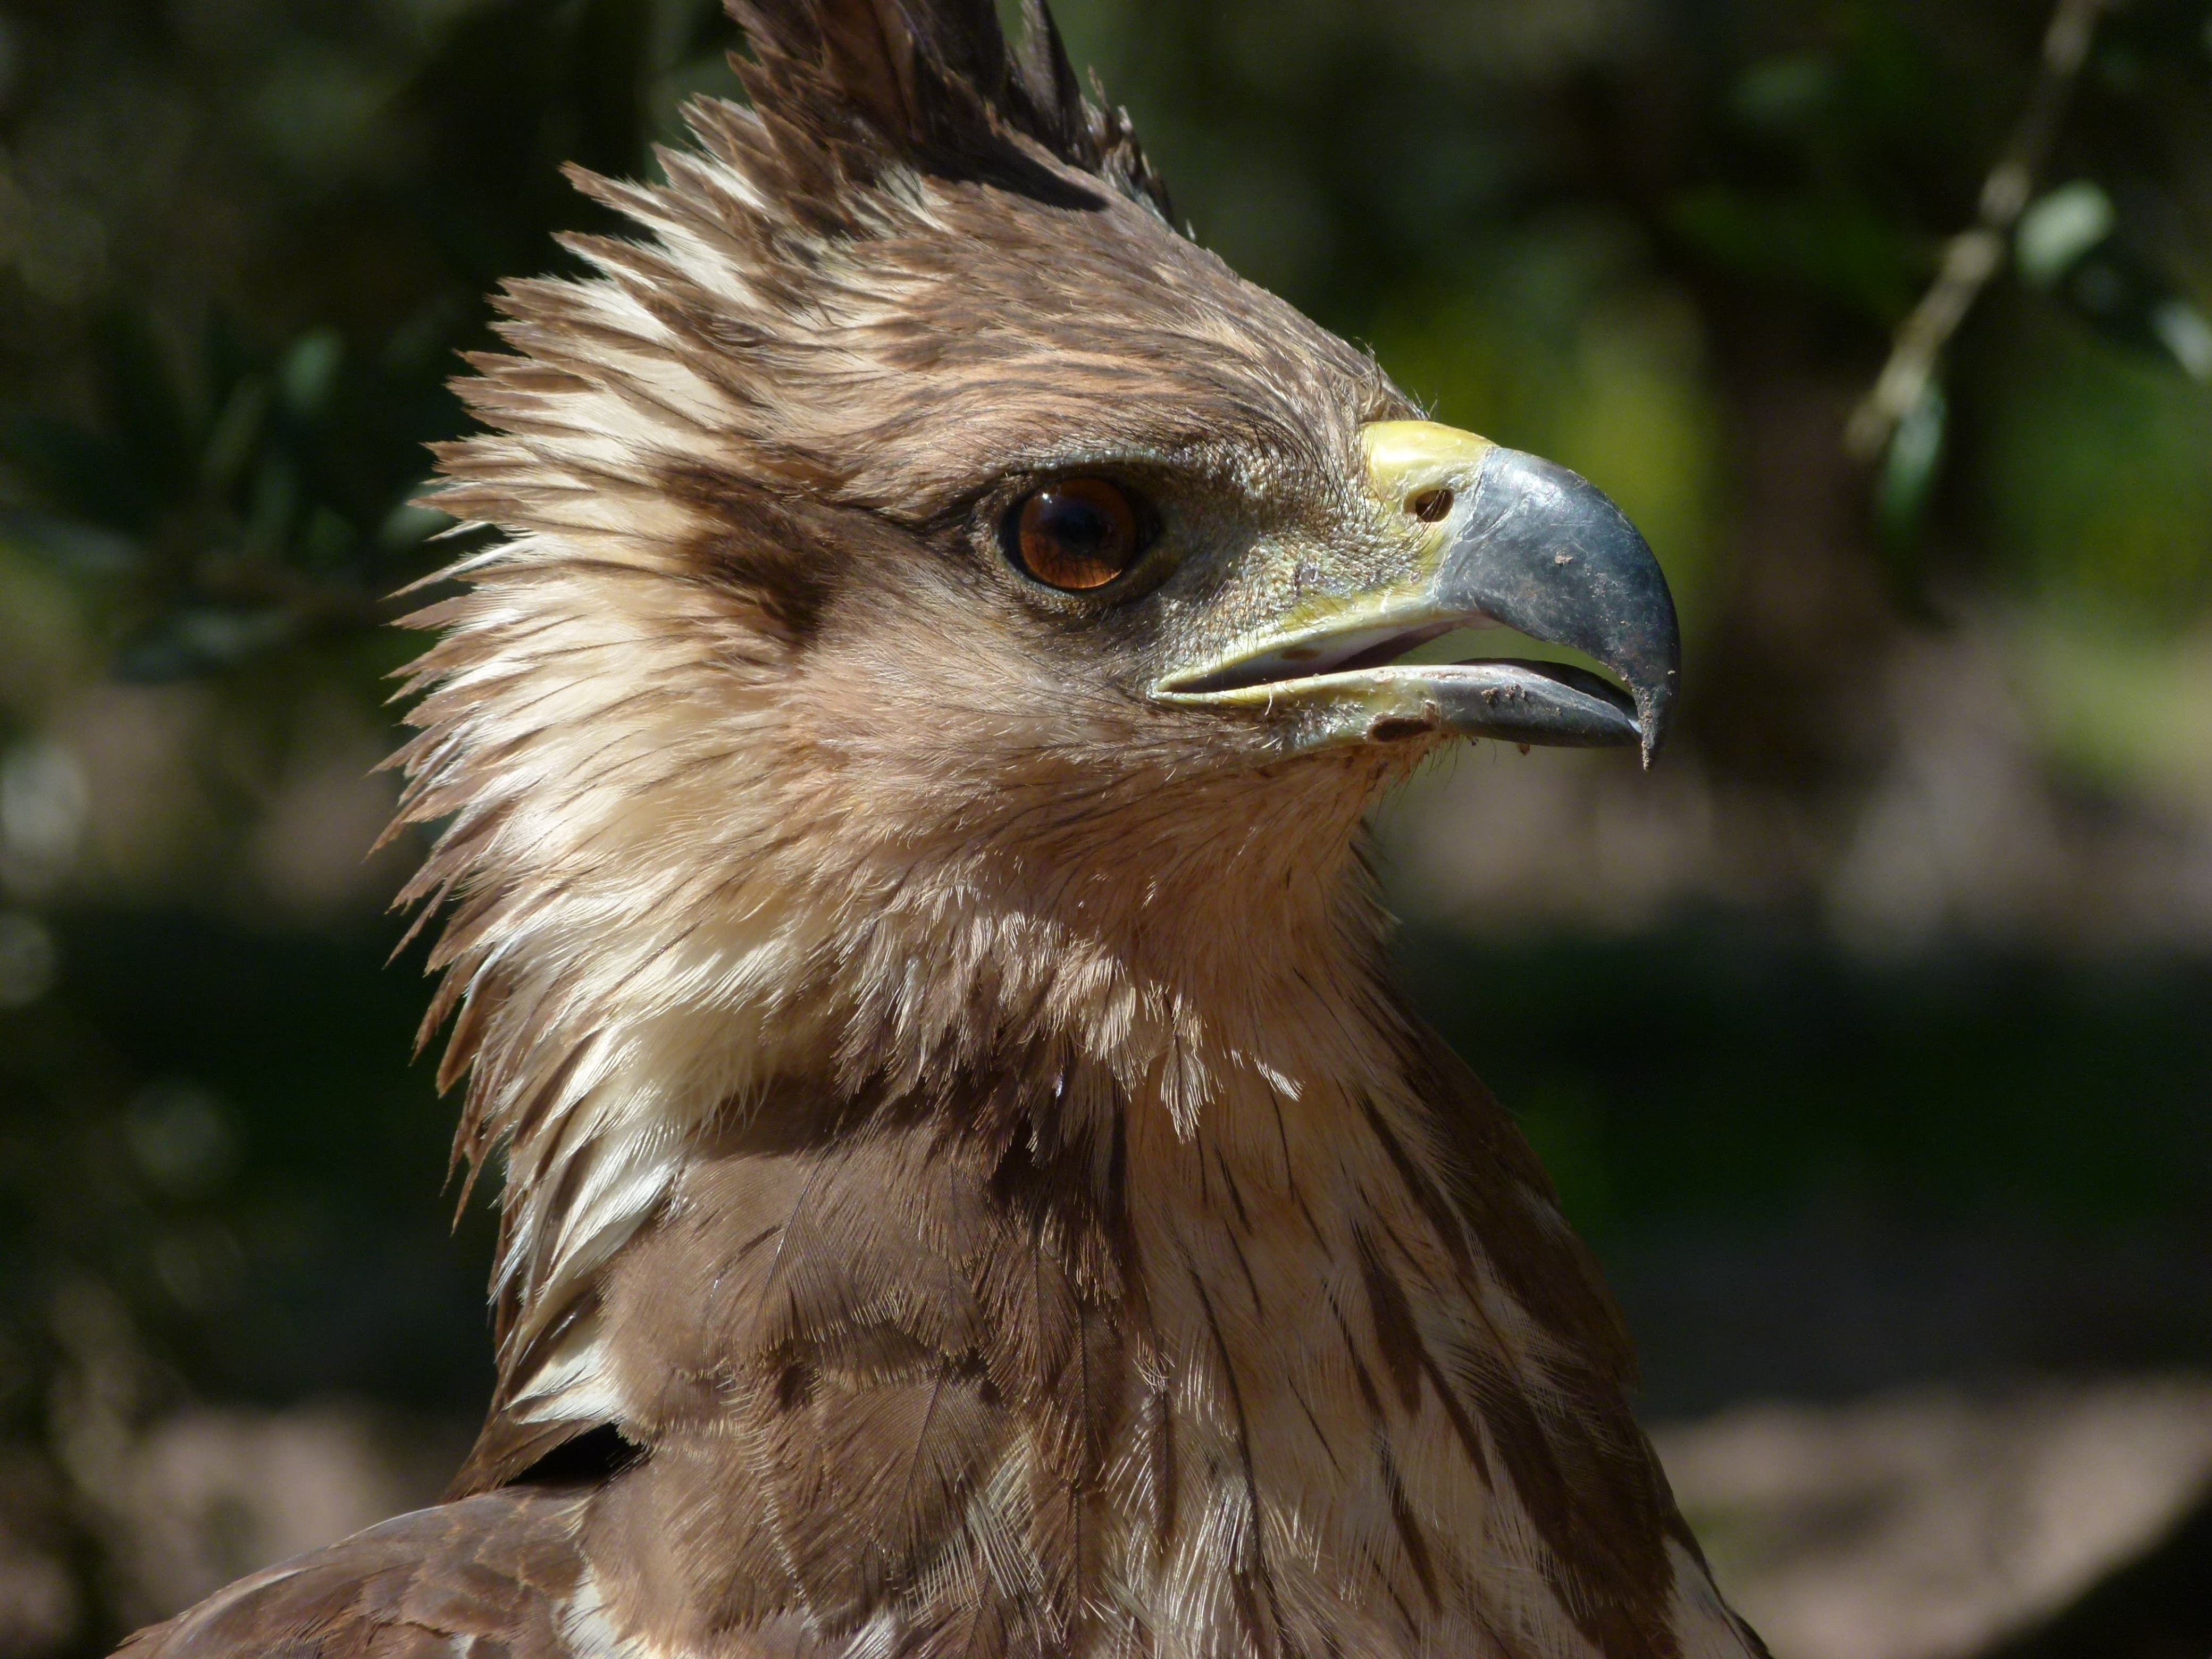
x,y
1977,254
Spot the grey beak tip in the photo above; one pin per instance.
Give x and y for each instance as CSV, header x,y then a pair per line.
x,y
1549,553
1654,714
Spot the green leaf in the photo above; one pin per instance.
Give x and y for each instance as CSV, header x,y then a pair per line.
x,y
1782,92
193,643
1915,460
310,372
408,526
2059,230
75,547
2187,337
237,433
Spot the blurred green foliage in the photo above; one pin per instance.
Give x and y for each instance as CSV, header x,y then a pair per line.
x,y
241,242
1697,1073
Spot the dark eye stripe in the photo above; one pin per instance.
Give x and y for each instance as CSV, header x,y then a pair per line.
x,y
1077,534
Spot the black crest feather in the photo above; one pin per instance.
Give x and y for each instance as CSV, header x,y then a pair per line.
x,y
935,83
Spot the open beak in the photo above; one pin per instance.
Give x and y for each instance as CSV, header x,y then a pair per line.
x,y
1501,538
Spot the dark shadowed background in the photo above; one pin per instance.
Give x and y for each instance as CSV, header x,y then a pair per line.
x,y
1869,1038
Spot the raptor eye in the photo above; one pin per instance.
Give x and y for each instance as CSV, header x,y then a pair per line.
x,y
1077,534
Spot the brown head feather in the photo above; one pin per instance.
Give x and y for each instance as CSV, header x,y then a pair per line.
x,y
868,81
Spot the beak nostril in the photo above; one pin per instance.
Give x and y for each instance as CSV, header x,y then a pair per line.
x,y
1431,506
1399,729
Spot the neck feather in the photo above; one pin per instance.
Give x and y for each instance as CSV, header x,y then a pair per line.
x,y
1177,957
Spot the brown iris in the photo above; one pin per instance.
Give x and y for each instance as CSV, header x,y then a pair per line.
x,y
1078,534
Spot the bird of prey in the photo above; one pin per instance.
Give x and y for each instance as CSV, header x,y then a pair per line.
x,y
970,1188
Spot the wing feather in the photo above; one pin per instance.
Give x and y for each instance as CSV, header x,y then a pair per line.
x,y
492,1576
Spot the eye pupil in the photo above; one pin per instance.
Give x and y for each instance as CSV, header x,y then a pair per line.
x,y
1078,534
1080,528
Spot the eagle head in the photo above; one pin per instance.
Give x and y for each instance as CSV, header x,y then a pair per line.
x,y
911,498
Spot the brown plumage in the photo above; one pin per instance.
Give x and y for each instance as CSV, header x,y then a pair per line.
x,y
969,1188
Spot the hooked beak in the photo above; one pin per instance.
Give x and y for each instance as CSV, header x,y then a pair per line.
x,y
1502,539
